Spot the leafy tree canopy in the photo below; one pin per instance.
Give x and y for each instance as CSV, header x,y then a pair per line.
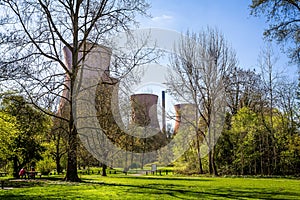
x,y
22,131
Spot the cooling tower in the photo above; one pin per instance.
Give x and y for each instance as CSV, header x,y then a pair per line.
x,y
107,103
182,113
144,110
89,56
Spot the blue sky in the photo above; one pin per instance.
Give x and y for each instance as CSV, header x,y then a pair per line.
x,y
232,17
243,31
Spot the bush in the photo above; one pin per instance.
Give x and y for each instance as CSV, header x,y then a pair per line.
x,y
45,166
134,166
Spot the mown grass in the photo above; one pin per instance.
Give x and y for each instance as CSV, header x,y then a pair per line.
x,y
153,187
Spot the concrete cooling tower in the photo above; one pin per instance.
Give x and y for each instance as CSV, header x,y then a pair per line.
x,y
89,56
144,110
189,111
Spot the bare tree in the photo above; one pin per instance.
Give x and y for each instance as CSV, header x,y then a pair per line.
x,y
33,35
58,135
287,101
267,62
201,62
243,88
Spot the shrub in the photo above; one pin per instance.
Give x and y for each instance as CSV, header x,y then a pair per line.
x,y
45,166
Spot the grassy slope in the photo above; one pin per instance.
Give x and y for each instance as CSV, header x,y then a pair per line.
x,y
155,187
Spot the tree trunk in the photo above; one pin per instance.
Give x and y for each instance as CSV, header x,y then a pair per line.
x,y
210,167
200,166
214,166
255,167
57,157
199,155
261,158
275,160
16,167
104,167
268,156
58,166
71,174
242,163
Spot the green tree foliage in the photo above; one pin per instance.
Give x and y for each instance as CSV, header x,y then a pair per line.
x,y
46,165
245,127
23,132
244,148
283,17
8,133
290,162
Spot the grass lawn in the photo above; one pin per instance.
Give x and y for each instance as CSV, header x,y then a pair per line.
x,y
153,187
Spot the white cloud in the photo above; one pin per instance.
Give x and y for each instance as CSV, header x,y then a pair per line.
x,y
162,18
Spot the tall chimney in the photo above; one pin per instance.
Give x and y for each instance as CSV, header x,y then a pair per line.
x,y
163,99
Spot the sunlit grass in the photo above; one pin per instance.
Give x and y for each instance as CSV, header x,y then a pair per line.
x,y
153,187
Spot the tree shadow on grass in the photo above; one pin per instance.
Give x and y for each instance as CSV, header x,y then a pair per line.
x,y
20,183
178,191
175,190
253,193
197,179
189,192
182,191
